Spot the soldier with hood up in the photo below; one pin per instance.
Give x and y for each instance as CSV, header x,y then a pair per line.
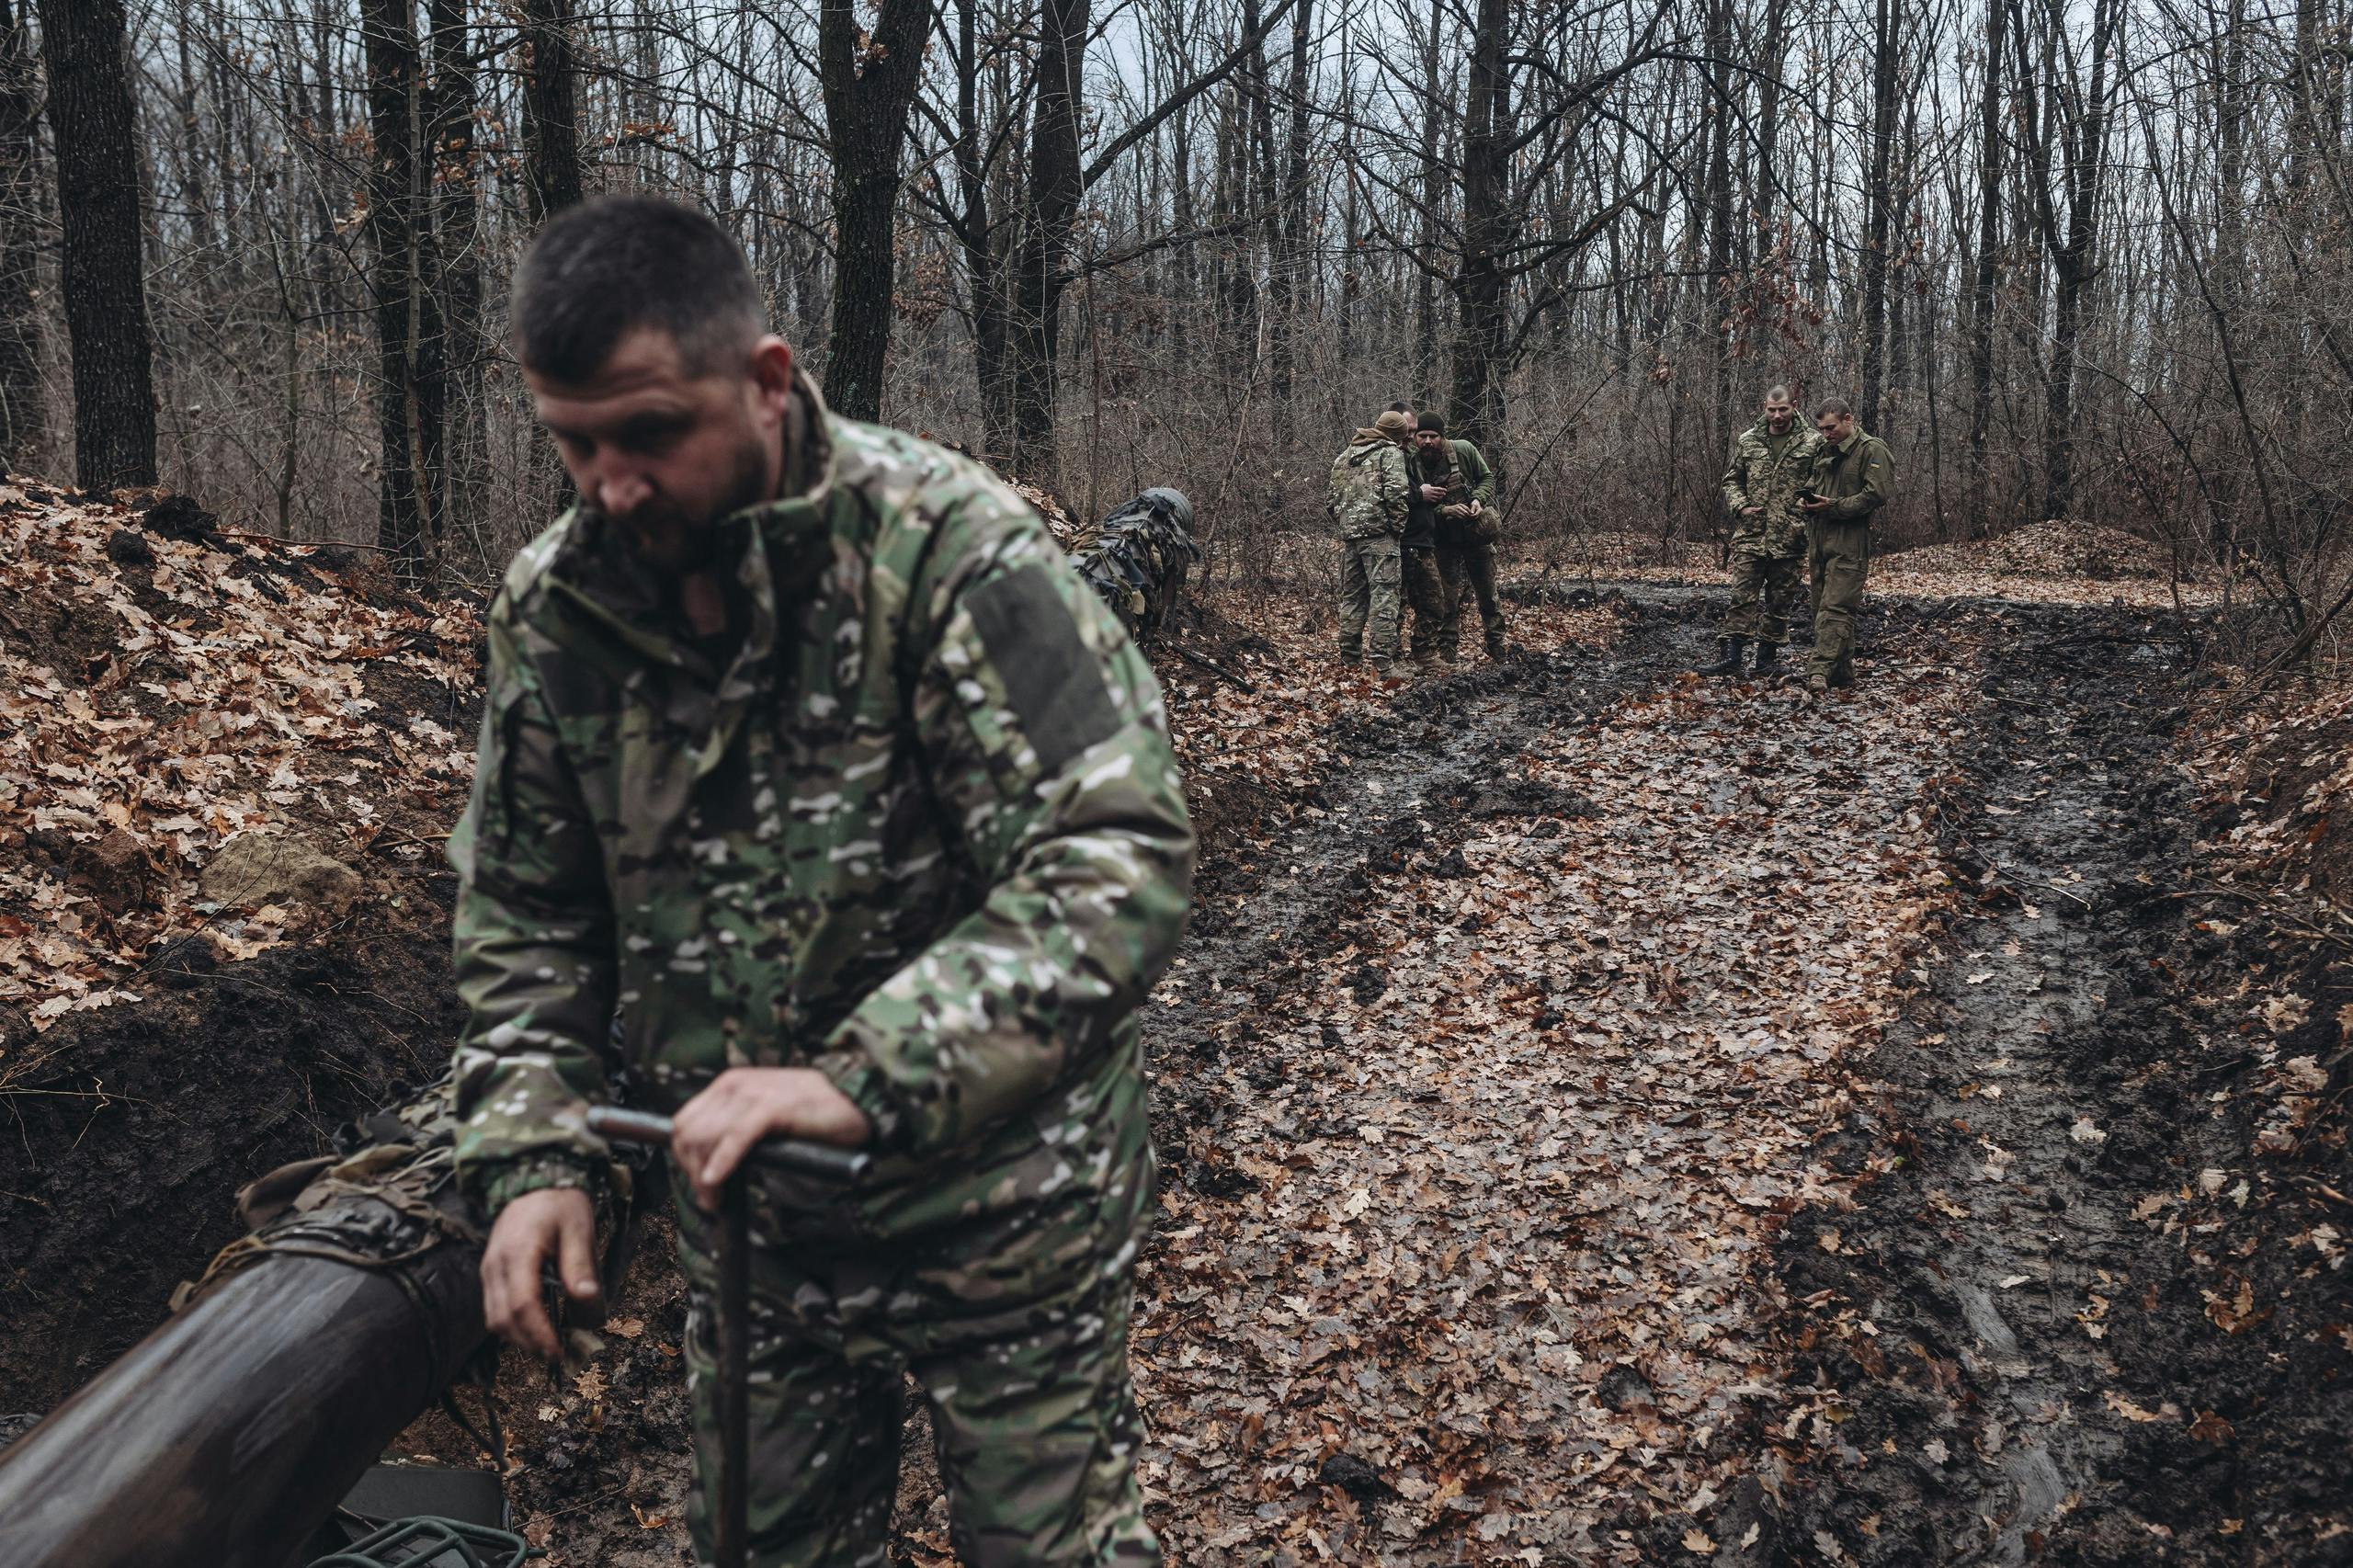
x,y
1367,504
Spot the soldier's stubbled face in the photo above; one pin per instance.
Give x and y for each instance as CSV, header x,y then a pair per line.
x,y
1429,442
1778,412
667,447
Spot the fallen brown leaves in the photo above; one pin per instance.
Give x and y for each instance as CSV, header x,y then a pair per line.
x,y
149,709
1513,1200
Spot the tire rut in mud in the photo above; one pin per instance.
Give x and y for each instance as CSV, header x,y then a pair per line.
x,y
1436,762
2031,1370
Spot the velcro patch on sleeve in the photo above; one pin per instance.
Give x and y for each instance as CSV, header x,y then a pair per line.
x,y
1053,682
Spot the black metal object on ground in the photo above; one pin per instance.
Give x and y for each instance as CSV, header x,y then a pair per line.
x,y
225,1437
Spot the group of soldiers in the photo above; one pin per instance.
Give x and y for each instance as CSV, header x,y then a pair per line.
x,y
1801,502
1415,514
1418,525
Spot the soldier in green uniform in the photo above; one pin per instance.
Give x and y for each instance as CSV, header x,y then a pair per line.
x,y
1854,474
1771,461
804,748
1454,477
1367,504
1425,583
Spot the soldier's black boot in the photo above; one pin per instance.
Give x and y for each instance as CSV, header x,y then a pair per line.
x,y
1769,657
1728,652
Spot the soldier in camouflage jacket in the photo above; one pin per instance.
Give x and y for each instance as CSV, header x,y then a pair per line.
x,y
1772,461
910,830
1368,505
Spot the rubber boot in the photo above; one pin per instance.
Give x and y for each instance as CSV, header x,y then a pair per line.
x,y
1728,652
1769,657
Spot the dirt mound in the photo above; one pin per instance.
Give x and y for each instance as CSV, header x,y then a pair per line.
x,y
2280,780
2055,549
159,694
165,689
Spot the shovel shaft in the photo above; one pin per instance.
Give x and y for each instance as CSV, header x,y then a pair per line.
x,y
799,1155
732,1329
733,1334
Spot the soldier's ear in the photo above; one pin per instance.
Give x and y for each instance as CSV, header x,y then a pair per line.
x,y
771,370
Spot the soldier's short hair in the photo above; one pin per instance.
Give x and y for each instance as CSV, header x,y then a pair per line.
x,y
1779,392
1401,406
1834,405
1432,421
605,267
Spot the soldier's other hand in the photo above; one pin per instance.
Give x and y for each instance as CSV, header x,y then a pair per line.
x,y
1750,511
1817,504
1433,491
714,1131
556,1224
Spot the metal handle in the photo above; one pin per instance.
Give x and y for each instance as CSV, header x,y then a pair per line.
x,y
829,1160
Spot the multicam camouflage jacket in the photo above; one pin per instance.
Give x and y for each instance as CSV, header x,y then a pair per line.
x,y
1761,476
924,831
1369,488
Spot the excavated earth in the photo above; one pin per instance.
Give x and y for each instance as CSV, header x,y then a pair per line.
x,y
2020,1288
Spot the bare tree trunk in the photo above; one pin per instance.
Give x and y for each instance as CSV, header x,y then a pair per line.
x,y
1056,187
1290,249
551,179
406,507
1433,198
1478,288
1719,299
95,124
865,121
1980,296
2084,134
23,417
455,204
1876,220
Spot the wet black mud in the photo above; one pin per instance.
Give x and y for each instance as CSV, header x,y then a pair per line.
x,y
125,1132
2080,1320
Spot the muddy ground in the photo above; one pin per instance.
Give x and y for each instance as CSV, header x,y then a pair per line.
x,y
2056,1310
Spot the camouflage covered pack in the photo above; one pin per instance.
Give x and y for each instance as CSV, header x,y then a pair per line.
x,y
1768,471
923,830
1136,558
1370,489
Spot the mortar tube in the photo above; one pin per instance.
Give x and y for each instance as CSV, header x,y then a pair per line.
x,y
226,1437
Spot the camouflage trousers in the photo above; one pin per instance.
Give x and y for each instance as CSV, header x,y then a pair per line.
x,y
1426,592
1837,558
1764,587
1468,564
1372,575
1015,1326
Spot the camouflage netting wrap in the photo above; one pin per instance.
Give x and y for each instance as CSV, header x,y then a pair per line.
x,y
1137,558
384,1199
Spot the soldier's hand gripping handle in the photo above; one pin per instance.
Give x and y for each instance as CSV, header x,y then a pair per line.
x,y
715,1136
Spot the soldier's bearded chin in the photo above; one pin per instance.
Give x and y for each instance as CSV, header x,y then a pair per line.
x,y
669,538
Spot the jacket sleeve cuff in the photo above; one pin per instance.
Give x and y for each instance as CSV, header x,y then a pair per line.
x,y
852,1071
502,1184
